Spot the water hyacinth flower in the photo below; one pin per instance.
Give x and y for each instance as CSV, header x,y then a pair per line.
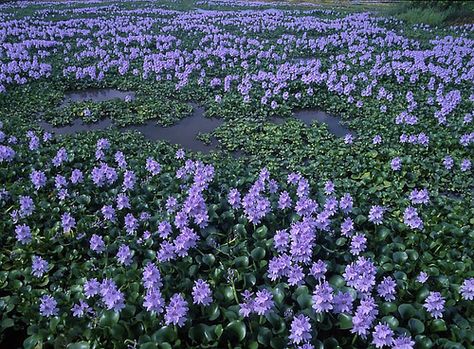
x,y
67,222
364,316
108,212
48,306
38,178
154,301
419,196
322,298
411,218
403,342
465,165
342,302
27,206
358,244
151,277
376,214
318,269
81,309
152,166
202,292
7,153
361,274
180,154
396,164
434,304
467,289
281,240
77,176
382,335
96,243
39,266
91,288
300,330
422,277
176,310
23,234
386,289
234,198
448,162
124,255
112,298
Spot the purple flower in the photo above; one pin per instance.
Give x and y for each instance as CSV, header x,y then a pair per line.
x,y
263,302
361,274
131,223
358,244
76,176
202,293
124,255
39,266
295,275
322,297
329,188
234,198
67,222
467,289
153,300
164,229
284,200
411,218
419,196
386,289
348,139
6,154
180,154
376,214
382,335
151,277
377,139
281,240
91,288
23,234
403,342
129,180
422,277
27,206
120,159
364,316
347,227
176,310
300,330
434,304
48,306
122,201
171,204
318,269
97,243
152,166
465,165
61,156
38,179
396,164
108,212
111,297
342,302
448,162
346,203
81,309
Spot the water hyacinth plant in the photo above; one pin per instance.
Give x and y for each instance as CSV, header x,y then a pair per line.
x,y
299,240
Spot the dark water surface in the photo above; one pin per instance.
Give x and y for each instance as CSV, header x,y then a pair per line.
x,y
183,133
96,95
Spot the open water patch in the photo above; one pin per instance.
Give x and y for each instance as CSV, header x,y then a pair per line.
x,y
96,95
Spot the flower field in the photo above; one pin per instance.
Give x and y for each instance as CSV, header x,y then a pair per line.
x,y
283,233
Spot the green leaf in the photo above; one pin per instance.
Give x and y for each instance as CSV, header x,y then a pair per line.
x,y
109,318
416,326
6,323
258,253
236,330
406,311
79,345
400,257
345,321
438,325
149,345
264,336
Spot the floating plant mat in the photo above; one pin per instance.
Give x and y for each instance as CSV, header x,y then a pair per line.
x,y
183,133
309,115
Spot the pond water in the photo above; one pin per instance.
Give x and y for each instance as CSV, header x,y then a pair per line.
x,y
96,95
309,115
183,133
